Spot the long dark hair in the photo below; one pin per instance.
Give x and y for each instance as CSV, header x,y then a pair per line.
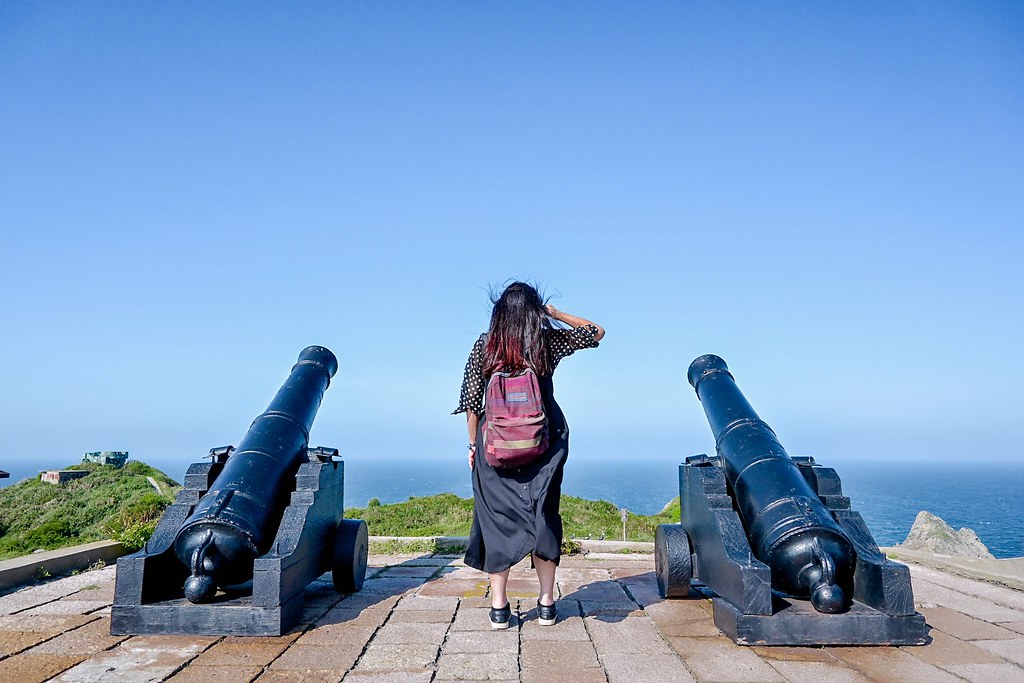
x,y
516,340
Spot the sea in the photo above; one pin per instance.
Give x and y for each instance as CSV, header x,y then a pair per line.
x,y
986,496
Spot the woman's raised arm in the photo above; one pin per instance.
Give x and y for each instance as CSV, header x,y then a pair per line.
x,y
574,321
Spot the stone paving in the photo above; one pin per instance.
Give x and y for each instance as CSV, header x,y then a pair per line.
x,y
424,618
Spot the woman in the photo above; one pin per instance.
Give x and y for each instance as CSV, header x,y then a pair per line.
x,y
515,510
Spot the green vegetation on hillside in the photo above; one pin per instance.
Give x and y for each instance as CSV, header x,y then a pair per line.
x,y
448,515
121,504
116,503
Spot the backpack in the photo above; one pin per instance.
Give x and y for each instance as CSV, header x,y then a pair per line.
x,y
515,426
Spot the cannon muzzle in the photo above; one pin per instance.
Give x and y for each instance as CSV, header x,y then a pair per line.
x,y
788,527
236,520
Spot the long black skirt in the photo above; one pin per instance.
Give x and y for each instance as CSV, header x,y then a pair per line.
x,y
515,510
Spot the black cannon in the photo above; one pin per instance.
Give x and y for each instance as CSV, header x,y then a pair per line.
x,y
774,541
250,529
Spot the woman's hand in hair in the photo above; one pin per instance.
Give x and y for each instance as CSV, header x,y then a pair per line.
x,y
552,311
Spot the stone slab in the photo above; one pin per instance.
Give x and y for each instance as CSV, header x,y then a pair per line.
x,y
35,668
644,594
185,645
1017,626
391,656
494,666
1008,572
339,635
463,573
310,676
236,654
1010,650
630,668
421,602
301,657
634,635
928,594
701,627
216,674
67,607
719,659
963,626
522,588
945,649
633,573
891,665
286,639
465,642
388,587
613,610
52,624
580,576
126,666
363,601
68,585
986,673
547,654
563,675
783,653
420,572
834,672
411,633
421,616
390,676
104,592
16,641
602,591
85,640
23,600
456,588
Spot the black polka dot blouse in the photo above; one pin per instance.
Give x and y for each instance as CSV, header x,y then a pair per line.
x,y
561,343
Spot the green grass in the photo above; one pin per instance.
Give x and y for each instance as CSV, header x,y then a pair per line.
x,y
109,503
121,504
442,515
448,515
396,546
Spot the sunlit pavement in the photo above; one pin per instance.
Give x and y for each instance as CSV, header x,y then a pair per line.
x,y
424,618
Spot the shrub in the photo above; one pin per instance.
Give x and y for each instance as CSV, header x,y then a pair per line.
x,y
136,522
52,534
571,547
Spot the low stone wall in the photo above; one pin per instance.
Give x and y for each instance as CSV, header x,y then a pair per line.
x,y
586,545
28,567
1007,572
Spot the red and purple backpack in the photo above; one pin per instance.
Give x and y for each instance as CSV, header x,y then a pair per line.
x,y
515,426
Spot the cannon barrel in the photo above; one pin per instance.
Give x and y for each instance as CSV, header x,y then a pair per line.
x,y
789,529
235,521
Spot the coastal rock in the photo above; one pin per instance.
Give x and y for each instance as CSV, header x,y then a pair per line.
x,y
933,535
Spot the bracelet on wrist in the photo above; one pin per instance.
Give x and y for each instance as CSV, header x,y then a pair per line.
x,y
472,446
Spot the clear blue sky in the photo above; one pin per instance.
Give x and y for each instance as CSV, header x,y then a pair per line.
x,y
830,196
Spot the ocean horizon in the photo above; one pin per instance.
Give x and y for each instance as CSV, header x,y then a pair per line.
x,y
888,493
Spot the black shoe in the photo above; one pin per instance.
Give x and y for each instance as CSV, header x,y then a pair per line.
x,y
546,614
500,616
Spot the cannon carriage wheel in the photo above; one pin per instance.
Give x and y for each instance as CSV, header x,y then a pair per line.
x,y
672,564
351,548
